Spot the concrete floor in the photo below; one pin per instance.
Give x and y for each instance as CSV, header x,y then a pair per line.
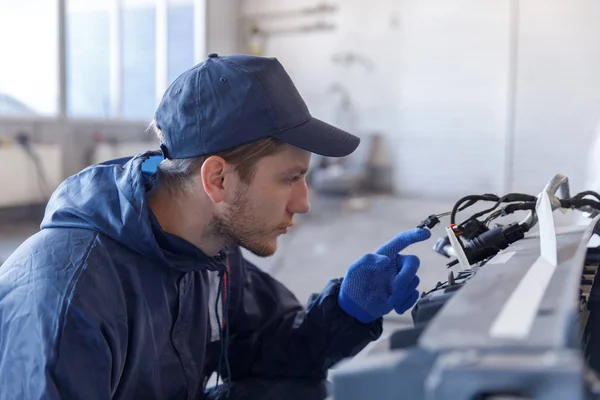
x,y
327,240
332,236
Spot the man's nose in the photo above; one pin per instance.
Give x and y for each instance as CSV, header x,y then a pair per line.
x,y
299,202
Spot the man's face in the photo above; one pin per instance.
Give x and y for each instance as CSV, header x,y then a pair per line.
x,y
265,208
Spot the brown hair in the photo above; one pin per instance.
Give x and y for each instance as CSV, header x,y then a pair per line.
x,y
177,175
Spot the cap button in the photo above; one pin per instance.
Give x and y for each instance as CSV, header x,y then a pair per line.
x,y
213,55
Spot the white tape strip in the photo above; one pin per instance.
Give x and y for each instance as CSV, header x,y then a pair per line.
x,y
516,317
458,250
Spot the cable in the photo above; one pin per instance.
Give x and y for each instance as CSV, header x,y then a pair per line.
x,y
471,199
23,140
508,198
478,241
509,209
586,193
432,220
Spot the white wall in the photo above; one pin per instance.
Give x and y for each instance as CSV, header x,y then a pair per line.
x,y
442,80
434,76
558,91
63,147
107,151
223,33
34,184
66,146
453,97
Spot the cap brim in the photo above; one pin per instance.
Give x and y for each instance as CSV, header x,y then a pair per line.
x,y
321,138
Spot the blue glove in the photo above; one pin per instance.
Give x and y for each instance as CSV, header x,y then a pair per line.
x,y
384,281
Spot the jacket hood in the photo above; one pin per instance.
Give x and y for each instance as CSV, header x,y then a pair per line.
x,y
110,198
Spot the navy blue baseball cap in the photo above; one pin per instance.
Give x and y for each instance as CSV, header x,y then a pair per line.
x,y
228,101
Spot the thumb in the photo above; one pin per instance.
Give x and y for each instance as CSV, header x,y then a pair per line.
x,y
402,241
409,265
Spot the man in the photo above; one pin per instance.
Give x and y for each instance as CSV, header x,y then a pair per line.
x,y
135,287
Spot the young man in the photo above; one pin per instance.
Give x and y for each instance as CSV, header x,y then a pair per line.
x,y
135,287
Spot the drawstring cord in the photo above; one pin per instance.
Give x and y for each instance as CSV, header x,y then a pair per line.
x,y
223,338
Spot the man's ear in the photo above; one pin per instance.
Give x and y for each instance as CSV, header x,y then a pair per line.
x,y
216,174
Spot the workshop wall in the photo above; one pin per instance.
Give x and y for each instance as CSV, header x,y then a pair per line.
x,y
558,90
472,95
60,147
224,34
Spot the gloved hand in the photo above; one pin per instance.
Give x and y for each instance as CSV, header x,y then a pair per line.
x,y
380,282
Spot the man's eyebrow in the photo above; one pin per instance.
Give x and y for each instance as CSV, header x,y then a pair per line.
x,y
301,170
296,170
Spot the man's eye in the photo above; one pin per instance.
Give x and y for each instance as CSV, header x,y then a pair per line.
x,y
294,179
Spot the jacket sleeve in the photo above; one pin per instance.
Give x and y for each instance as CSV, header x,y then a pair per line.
x,y
53,342
89,353
273,336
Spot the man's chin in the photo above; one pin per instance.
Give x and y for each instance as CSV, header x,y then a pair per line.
x,y
261,250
